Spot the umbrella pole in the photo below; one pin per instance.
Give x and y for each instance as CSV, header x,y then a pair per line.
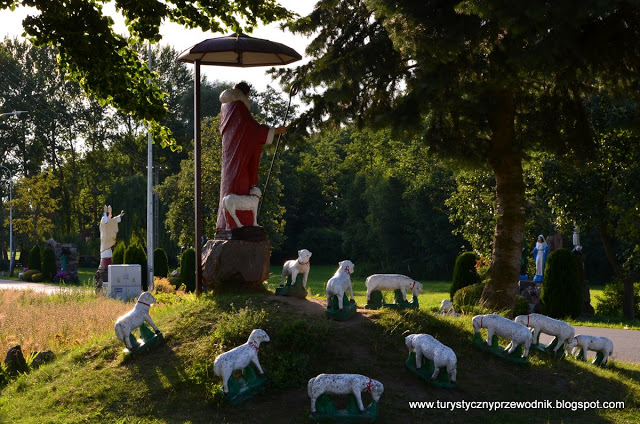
x,y
292,92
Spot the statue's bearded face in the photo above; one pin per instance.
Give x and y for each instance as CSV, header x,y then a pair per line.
x,y
109,210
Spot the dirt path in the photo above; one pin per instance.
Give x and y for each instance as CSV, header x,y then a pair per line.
x,y
37,287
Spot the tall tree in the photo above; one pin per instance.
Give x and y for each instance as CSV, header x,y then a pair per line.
x,y
483,82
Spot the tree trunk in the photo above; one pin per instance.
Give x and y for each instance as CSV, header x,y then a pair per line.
x,y
628,306
506,160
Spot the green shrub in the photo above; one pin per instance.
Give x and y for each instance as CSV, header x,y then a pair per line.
x,y
134,254
464,272
35,261
160,263
24,257
611,303
49,266
521,307
561,290
188,269
26,276
467,298
37,277
117,256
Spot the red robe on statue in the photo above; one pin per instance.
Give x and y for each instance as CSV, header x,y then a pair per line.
x,y
242,142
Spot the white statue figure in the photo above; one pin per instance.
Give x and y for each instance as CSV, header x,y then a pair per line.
x,y
429,347
593,343
446,308
540,253
340,282
343,384
108,232
237,202
239,358
135,318
392,282
544,324
495,324
297,266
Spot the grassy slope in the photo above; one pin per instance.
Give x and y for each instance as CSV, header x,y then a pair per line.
x,y
175,383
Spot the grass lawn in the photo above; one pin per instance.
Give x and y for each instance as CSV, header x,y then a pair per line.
x,y
93,382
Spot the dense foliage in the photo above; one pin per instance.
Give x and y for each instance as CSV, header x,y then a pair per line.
x,y
561,294
611,303
160,263
49,267
134,254
464,272
35,258
188,269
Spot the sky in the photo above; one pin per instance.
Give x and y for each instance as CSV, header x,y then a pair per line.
x,y
182,39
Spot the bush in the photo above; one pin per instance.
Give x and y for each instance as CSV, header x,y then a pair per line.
x,y
467,298
561,290
35,261
24,257
117,256
28,275
134,254
464,272
160,263
610,304
37,277
188,269
49,266
521,307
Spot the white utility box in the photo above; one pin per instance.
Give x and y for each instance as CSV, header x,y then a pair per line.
x,y
125,281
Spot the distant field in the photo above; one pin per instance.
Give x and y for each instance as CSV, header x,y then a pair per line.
x,y
432,294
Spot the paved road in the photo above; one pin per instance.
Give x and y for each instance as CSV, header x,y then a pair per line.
x,y
626,343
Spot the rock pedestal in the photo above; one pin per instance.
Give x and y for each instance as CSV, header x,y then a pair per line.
x,y
236,264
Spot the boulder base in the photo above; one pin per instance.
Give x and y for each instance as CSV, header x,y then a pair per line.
x,y
235,264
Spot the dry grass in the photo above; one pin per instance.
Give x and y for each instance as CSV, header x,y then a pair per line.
x,y
38,321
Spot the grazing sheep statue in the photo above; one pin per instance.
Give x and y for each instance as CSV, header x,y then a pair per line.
x,y
236,202
544,324
495,324
135,318
446,308
297,266
429,347
392,282
239,358
593,343
340,282
343,384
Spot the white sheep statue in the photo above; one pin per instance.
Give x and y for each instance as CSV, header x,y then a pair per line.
x,y
392,282
237,202
343,384
295,267
544,324
340,282
446,308
593,343
135,318
239,358
432,349
495,324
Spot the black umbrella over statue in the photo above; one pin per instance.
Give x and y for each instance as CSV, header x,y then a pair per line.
x,y
238,50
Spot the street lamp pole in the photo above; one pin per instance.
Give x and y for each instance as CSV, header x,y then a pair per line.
x,y
11,253
10,220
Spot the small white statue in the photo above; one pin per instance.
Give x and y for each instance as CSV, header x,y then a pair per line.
x,y
392,282
340,282
429,347
297,266
237,202
135,318
544,324
593,343
343,384
446,308
495,324
239,358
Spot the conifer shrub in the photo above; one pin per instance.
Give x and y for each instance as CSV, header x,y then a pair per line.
x,y
464,272
188,269
611,302
521,307
24,257
49,266
160,263
35,260
117,257
561,291
134,254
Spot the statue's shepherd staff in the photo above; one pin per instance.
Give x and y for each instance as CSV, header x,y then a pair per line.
x,y
292,92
